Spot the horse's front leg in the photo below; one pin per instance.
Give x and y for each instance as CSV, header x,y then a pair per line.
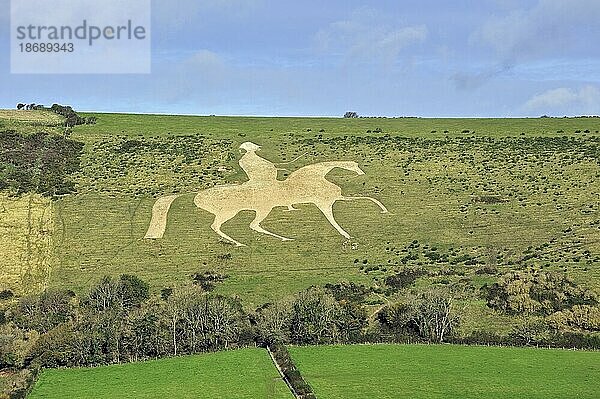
x,y
261,214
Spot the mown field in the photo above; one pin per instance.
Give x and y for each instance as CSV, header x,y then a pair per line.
x,y
30,121
434,371
463,194
26,228
246,373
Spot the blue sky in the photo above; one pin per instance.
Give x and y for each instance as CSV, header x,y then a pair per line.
x,y
481,58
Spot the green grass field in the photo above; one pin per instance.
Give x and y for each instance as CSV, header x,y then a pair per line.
x,y
425,372
245,373
434,176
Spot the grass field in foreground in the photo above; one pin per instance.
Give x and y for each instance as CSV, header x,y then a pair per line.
x,y
446,371
245,373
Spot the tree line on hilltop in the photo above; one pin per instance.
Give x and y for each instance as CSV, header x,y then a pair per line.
x,y
71,117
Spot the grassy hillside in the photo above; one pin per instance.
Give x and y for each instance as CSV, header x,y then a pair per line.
x,y
463,194
247,373
423,372
229,127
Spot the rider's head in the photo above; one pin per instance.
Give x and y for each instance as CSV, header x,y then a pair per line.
x,y
250,147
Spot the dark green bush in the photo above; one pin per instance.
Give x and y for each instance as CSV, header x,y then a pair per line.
x,y
350,292
40,163
404,279
291,373
541,293
209,279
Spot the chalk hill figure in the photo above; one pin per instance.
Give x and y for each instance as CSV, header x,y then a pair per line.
x,y
263,192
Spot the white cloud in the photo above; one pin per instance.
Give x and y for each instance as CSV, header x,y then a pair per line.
x,y
4,11
585,100
523,34
552,99
474,80
204,59
364,37
550,27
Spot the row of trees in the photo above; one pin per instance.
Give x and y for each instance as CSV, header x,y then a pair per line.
x,y
71,117
119,321
550,295
28,107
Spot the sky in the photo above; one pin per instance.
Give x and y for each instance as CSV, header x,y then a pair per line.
x,y
477,58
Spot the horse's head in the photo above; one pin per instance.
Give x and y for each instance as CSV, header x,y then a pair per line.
x,y
250,147
353,167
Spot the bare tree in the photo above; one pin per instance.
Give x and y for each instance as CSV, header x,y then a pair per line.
x,y
201,321
313,318
430,315
435,315
273,323
104,295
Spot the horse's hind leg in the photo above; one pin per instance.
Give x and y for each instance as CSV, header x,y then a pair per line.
x,y
216,226
383,208
261,214
327,210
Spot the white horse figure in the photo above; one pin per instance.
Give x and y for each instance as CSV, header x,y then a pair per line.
x,y
306,185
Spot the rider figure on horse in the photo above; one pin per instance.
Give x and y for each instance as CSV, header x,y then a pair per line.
x,y
258,169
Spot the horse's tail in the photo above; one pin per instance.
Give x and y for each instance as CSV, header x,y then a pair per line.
x,y
160,210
